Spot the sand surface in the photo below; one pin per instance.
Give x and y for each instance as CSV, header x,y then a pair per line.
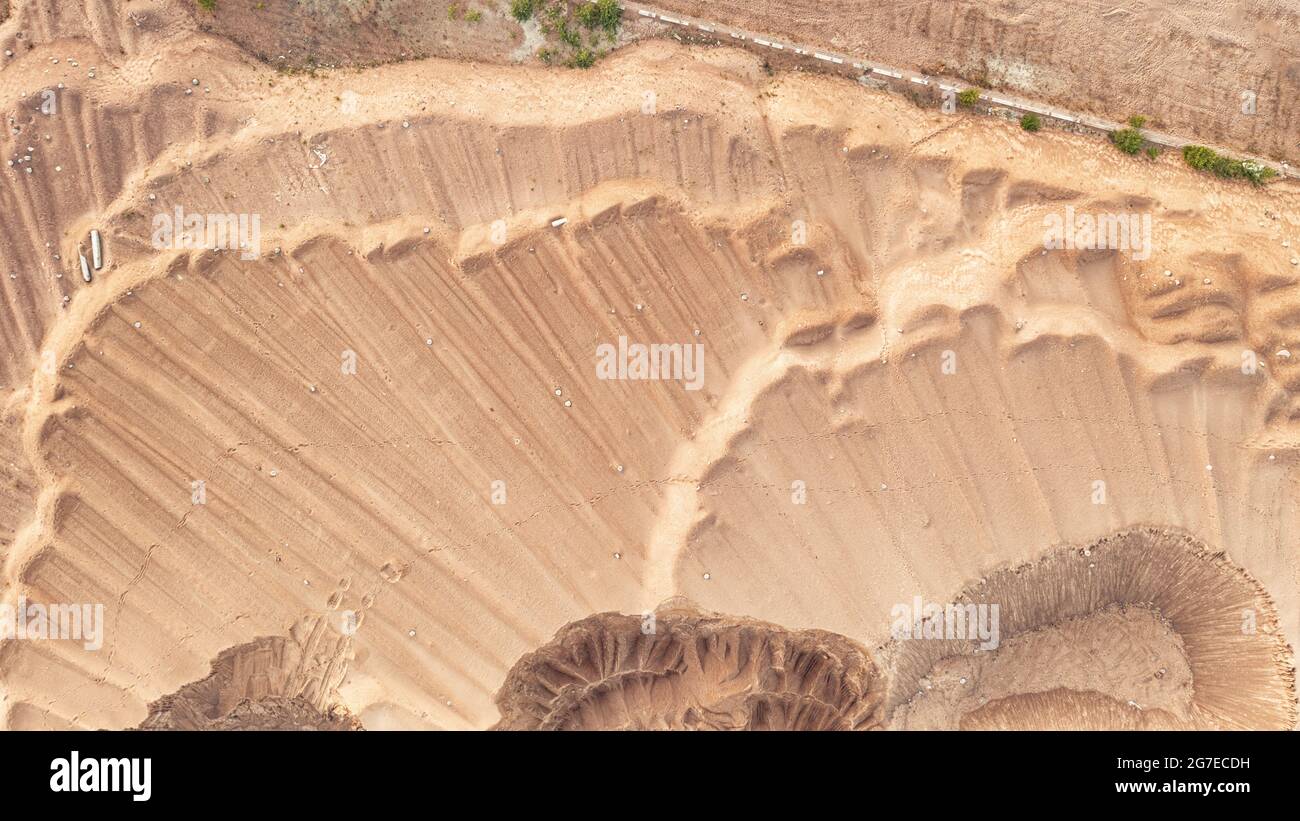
x,y
904,394
1224,73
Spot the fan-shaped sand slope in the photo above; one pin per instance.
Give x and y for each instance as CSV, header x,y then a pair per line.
x,y
880,323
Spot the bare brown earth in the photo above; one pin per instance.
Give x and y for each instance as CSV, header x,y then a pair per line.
x,y
275,683
320,33
312,34
1185,64
905,394
680,669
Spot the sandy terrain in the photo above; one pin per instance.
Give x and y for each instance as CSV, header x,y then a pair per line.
x,y
1189,65
374,477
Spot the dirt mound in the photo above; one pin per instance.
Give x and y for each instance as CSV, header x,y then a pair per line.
x,y
1146,620
268,684
679,668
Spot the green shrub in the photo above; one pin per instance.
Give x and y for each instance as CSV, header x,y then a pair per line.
x,y
453,12
1207,159
1137,121
605,14
474,16
580,28
1153,151
970,96
521,10
207,5
570,36
1030,122
1199,157
1128,140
